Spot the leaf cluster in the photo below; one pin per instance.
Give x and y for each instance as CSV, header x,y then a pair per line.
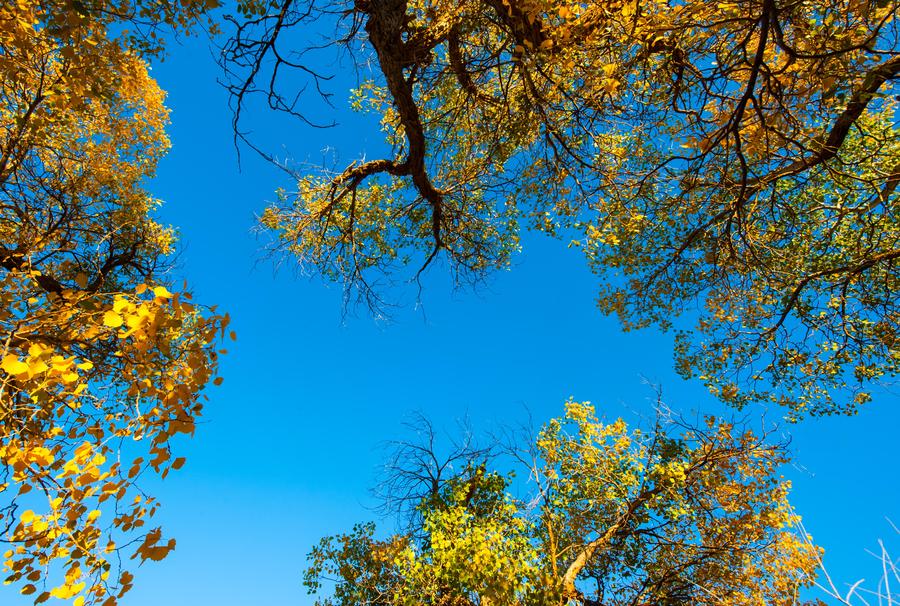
x,y
614,516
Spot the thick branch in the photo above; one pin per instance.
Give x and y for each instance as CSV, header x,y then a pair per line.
x,y
620,525
11,260
602,543
458,66
841,127
385,26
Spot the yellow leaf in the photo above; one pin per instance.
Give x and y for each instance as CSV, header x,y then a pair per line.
x,y
13,365
36,366
67,591
112,319
160,291
40,455
36,350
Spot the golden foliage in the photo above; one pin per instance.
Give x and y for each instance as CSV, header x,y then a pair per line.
x,y
608,516
736,158
102,366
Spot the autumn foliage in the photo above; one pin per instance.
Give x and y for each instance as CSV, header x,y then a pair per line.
x,y
731,162
607,515
101,365
728,169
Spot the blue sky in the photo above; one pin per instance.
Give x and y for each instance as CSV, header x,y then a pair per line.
x,y
291,442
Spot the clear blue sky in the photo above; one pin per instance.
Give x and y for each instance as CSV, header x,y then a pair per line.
x,y
291,441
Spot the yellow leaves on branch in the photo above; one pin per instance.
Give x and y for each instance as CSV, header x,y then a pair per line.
x,y
101,364
158,354
614,515
728,126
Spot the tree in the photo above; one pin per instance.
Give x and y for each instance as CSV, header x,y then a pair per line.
x,y
101,365
733,162
615,517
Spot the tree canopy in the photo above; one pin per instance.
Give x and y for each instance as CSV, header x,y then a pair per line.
x,y
101,364
734,163
608,516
